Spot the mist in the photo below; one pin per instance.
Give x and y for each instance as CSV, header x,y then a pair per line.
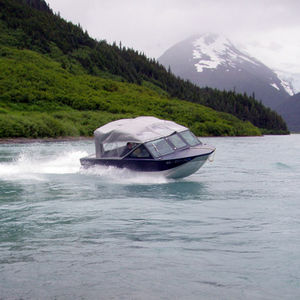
x,y
267,30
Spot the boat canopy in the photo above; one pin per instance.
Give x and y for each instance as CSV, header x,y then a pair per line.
x,y
116,134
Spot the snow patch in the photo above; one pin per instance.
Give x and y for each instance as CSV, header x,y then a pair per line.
x,y
213,50
274,85
286,82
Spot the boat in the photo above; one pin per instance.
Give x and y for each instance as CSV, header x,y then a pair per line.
x,y
148,144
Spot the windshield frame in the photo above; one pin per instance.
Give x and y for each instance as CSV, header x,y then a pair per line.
x,y
193,136
152,147
175,147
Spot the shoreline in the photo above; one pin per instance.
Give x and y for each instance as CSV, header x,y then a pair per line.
x,y
22,140
44,140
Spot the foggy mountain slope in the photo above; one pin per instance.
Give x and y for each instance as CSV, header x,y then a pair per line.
x,y
213,61
290,111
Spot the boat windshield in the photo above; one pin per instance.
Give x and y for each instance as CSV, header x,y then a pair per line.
x,y
176,141
190,138
159,147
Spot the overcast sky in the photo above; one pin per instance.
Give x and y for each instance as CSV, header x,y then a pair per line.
x,y
269,30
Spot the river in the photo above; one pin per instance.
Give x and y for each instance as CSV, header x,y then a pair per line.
x,y
230,231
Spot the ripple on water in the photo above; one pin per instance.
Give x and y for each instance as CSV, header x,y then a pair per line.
x,y
231,230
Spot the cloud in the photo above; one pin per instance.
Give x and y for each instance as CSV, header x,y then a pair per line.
x,y
152,26
156,22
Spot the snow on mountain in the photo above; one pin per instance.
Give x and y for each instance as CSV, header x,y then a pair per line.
x,y
214,61
275,86
286,82
213,50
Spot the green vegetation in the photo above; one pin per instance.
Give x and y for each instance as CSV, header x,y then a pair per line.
x,y
72,83
39,98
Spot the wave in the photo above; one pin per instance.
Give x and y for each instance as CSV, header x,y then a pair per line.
x,y
37,164
30,164
124,176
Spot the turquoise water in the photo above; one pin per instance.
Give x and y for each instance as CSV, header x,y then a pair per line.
x,y
231,231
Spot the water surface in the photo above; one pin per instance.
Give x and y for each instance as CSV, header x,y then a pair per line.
x,y
231,231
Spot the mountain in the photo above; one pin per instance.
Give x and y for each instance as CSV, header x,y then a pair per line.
x,y
290,111
30,25
212,60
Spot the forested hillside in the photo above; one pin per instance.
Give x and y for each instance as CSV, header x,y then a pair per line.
x,y
38,98
31,24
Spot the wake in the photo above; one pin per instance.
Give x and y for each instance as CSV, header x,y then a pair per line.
x,y
29,164
38,165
